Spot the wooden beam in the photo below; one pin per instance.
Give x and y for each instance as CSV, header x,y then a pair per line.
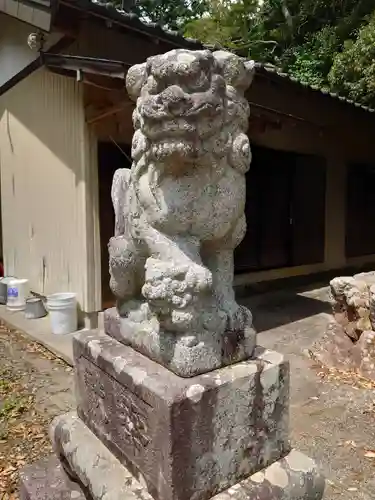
x,y
103,82
109,112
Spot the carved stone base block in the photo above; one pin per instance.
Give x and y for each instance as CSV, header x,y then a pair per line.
x,y
187,355
103,477
186,438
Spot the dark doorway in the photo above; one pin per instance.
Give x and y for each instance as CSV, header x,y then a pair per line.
x,y
285,211
360,211
110,158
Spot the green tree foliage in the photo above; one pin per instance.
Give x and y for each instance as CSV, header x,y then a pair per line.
x,y
353,70
292,22
214,27
173,14
320,32
302,37
233,24
311,61
327,43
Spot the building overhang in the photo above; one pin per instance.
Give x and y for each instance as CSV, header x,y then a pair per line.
x,y
37,13
104,73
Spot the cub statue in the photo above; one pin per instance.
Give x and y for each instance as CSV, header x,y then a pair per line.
x,y
179,211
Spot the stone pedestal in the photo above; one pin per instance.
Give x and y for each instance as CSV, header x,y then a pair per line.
x,y
141,431
186,355
186,438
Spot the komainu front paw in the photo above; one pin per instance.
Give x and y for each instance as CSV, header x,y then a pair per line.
x,y
198,278
171,289
175,284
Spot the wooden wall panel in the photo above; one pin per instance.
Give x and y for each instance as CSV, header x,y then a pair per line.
x,y
49,188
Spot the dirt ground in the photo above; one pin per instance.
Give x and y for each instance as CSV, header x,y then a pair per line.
x,y
332,416
34,387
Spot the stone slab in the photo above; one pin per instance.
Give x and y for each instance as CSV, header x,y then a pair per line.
x,y
186,355
186,438
294,477
47,480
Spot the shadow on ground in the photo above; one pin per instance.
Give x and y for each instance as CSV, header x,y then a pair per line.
x,y
272,310
331,421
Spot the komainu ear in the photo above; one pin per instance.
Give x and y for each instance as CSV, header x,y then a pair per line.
x,y
135,79
237,71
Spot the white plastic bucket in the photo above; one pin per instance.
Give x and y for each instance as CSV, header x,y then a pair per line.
x,y
62,308
18,291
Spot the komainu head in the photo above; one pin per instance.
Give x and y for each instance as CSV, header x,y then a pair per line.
x,y
188,104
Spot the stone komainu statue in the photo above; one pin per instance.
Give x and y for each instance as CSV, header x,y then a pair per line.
x,y
180,209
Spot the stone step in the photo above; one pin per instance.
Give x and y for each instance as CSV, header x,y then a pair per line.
x,y
294,477
47,480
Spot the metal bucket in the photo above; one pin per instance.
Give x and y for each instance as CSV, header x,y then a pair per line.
x,y
35,308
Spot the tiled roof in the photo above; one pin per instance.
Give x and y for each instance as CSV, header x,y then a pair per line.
x,y
273,70
109,11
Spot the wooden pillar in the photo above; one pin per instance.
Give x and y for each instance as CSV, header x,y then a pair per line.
x,y
334,255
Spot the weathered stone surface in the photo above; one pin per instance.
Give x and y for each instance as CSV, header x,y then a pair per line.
x,y
187,438
364,355
348,343
350,304
367,277
372,306
47,480
90,462
334,348
294,477
180,212
186,355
